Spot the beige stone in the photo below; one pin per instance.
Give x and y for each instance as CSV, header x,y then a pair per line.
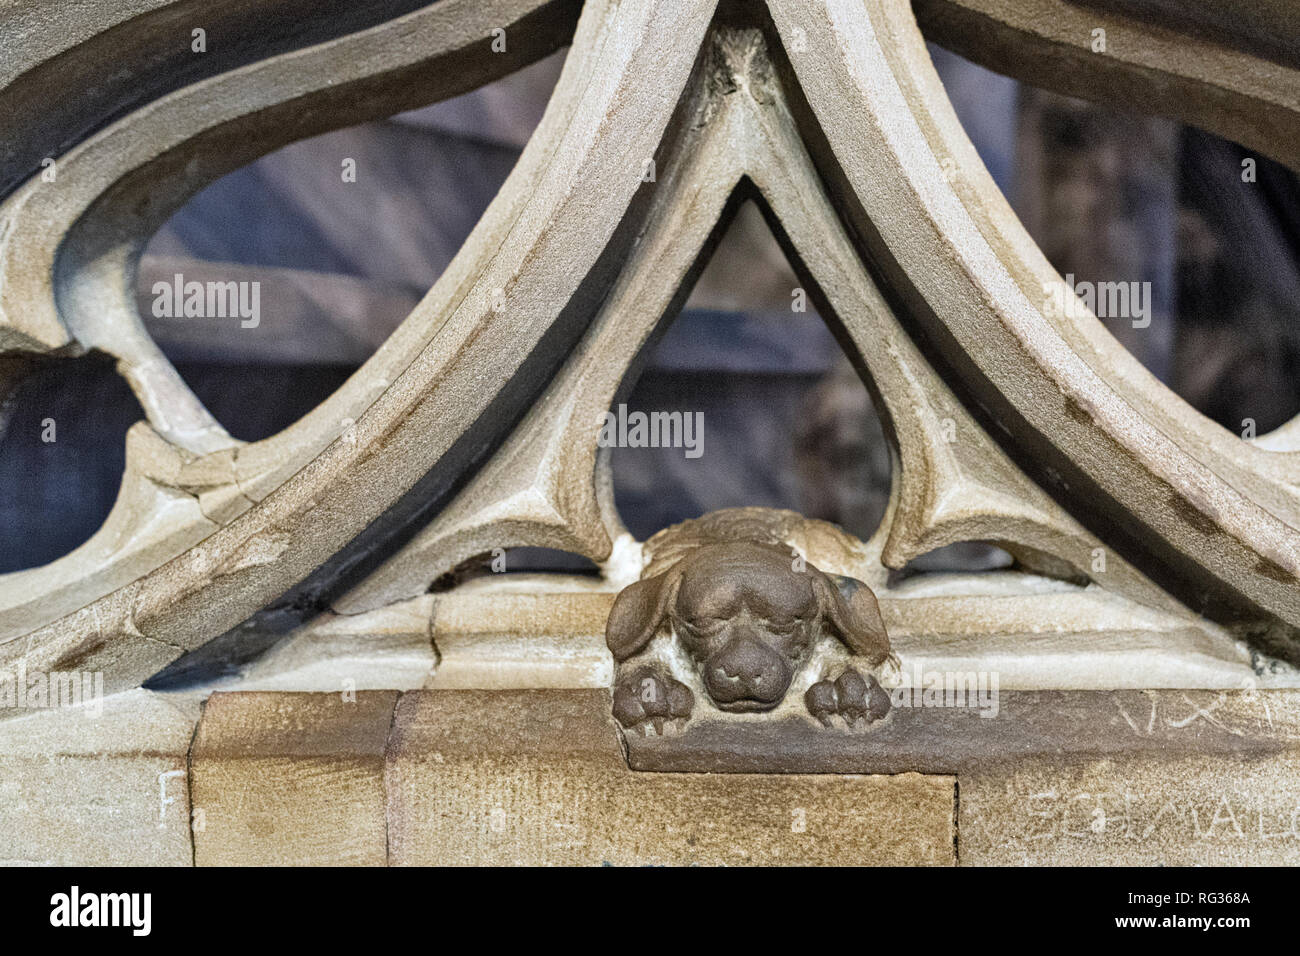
x,y
426,55
519,632
491,389
1133,811
207,533
1174,778
387,649
291,779
537,777
504,660
78,789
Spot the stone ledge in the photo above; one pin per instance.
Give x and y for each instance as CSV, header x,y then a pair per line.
x,y
107,790
1134,811
291,779
539,776
1028,725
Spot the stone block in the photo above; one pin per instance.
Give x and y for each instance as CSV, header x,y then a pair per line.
x,y
1133,811
103,785
539,778
291,779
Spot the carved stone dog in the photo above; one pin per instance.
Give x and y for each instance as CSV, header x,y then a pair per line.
x,y
740,616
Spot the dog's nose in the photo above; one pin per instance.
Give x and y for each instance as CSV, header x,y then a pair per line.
x,y
746,674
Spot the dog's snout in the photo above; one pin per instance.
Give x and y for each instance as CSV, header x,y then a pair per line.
x,y
746,674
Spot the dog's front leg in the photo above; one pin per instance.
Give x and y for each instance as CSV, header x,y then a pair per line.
x,y
646,696
857,699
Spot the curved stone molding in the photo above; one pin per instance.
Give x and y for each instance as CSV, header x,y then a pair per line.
x,y
542,253
108,199
1206,536
953,484
474,426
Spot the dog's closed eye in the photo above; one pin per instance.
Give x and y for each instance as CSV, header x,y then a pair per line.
x,y
784,627
709,624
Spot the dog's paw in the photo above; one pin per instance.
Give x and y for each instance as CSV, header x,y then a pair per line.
x,y
646,698
859,701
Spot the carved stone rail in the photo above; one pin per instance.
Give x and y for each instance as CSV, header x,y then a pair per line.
x,y
1152,547
470,428
539,776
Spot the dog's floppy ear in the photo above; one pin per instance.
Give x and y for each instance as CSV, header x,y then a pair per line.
x,y
638,612
850,607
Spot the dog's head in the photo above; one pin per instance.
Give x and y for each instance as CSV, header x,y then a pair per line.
x,y
748,616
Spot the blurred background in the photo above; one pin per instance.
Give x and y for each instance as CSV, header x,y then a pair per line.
x,y
1109,195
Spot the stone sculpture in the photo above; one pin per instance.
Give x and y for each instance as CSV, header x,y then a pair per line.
x,y
741,620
